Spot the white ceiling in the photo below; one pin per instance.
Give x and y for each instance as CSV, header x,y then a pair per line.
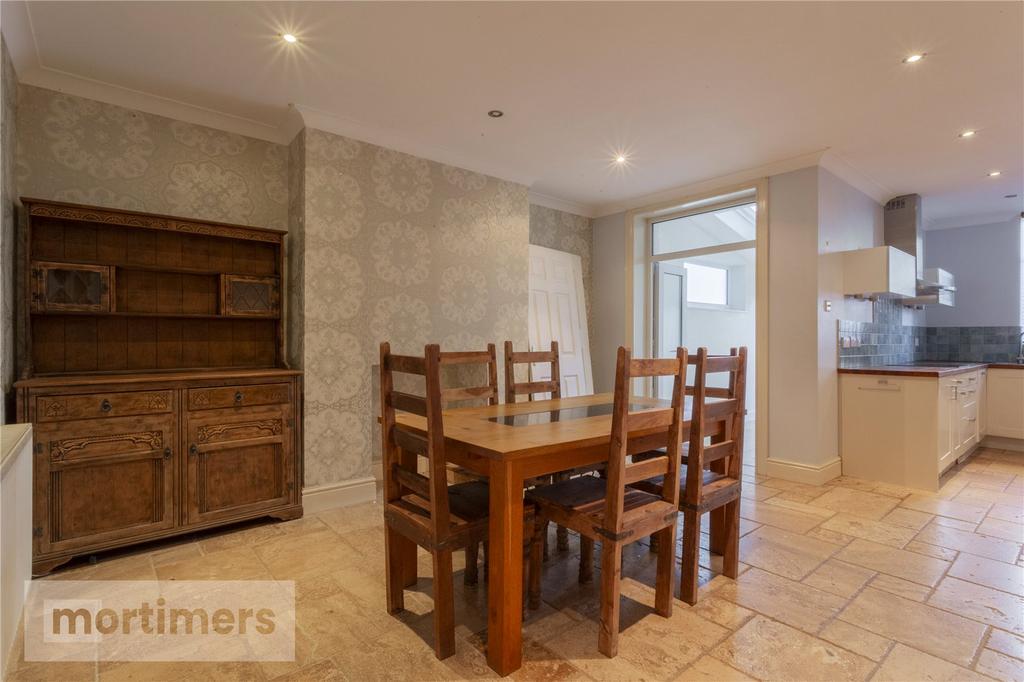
x,y
690,91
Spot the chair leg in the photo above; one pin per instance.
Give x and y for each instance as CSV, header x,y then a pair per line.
x,y
397,551
655,542
611,576
666,570
717,531
691,552
544,538
731,539
562,538
536,560
470,576
586,560
444,604
487,561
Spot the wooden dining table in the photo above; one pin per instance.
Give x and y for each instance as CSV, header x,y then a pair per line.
x,y
513,442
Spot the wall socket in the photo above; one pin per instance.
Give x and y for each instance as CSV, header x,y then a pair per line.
x,y
828,306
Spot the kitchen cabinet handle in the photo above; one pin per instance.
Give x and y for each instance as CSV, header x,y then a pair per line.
x,y
238,396
167,453
193,449
878,388
106,406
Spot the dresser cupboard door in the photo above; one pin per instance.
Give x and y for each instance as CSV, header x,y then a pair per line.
x,y
240,461
104,480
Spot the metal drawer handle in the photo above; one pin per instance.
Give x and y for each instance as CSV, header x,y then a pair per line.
x,y
167,453
238,396
106,406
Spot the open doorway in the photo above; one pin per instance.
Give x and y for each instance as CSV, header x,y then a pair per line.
x,y
704,267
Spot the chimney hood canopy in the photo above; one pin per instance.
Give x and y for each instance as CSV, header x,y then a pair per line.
x,y
902,227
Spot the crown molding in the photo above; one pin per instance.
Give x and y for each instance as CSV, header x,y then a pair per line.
x,y
541,199
972,220
711,184
382,137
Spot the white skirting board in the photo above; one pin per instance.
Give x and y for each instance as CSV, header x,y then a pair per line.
x,y
802,473
344,494
1000,443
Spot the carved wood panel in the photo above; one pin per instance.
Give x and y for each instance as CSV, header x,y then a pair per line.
x,y
92,405
238,396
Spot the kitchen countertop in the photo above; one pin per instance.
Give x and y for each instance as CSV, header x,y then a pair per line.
x,y
924,370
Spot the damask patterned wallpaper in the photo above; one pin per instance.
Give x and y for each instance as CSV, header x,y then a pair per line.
x,y
84,151
8,197
402,249
566,232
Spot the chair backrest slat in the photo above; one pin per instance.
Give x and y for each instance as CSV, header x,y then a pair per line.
x,y
722,419
487,392
530,387
628,427
401,448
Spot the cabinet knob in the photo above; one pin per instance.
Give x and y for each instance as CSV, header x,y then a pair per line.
x,y
193,449
167,453
238,396
106,406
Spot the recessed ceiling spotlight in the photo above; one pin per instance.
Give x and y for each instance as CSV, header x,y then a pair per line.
x,y
968,133
994,174
914,58
621,159
495,113
289,38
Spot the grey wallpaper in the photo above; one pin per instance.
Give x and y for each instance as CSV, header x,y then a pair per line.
x,y
402,249
8,199
295,246
84,151
566,232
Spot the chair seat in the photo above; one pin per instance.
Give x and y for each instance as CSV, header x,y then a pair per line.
x,y
585,497
716,489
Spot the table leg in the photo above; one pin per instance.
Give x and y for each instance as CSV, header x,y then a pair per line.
x,y
505,591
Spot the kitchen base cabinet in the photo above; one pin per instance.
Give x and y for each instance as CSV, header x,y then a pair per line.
x,y
1004,398
907,430
122,459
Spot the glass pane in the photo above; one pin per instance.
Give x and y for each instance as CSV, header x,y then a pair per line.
x,y
714,228
705,284
73,287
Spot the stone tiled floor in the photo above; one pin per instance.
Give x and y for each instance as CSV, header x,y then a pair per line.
x,y
851,580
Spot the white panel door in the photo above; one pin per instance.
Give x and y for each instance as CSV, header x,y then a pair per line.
x,y
558,313
669,316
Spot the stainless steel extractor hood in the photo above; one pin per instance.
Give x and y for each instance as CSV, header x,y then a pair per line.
x,y
903,231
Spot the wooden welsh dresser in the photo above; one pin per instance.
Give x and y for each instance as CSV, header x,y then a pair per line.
x,y
153,372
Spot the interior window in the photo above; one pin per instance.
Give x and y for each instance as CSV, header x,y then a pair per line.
x,y
706,284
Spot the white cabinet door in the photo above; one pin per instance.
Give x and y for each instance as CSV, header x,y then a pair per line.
x,y
982,404
1004,396
948,433
558,312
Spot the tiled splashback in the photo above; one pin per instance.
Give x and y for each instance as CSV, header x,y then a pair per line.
x,y
886,341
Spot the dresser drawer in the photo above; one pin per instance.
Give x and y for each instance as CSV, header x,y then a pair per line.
x,y
57,408
238,396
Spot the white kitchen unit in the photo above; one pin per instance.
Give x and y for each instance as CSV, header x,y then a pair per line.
x,y
881,270
1004,397
908,427
15,530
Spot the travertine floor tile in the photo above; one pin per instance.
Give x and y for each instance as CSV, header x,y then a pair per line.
x,y
1007,512
931,550
1006,643
722,611
995,574
973,543
876,531
856,502
839,578
768,650
784,553
981,603
1000,667
898,562
908,518
1007,530
240,563
923,627
903,588
955,510
710,669
905,664
857,640
779,517
792,603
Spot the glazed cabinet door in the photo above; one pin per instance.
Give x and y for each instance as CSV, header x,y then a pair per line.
x,y
240,461
99,481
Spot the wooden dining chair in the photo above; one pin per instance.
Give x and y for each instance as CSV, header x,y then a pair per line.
x,y
710,476
608,510
514,389
423,509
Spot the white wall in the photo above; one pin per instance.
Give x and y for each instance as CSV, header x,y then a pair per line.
x,y
985,260
609,274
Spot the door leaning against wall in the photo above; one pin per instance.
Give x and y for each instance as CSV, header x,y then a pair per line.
x,y
558,313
